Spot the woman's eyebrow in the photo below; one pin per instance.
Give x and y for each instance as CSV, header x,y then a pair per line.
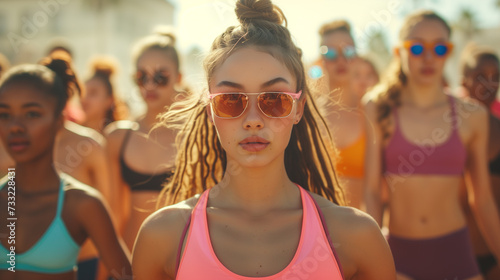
x,y
266,84
229,84
275,81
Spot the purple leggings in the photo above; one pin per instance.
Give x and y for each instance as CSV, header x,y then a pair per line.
x,y
447,257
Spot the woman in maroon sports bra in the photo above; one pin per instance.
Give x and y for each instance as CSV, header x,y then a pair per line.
x,y
253,148
424,143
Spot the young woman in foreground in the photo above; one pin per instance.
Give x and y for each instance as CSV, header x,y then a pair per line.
x,y
256,140
423,142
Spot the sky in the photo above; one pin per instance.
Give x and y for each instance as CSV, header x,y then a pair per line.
x,y
198,22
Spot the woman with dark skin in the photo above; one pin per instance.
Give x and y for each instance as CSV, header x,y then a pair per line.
x,y
480,79
55,213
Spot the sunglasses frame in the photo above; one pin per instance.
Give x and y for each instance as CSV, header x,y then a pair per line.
x,y
295,96
408,44
152,78
324,50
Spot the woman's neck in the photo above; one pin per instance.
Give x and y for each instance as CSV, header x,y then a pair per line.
x,y
424,96
37,176
256,190
96,124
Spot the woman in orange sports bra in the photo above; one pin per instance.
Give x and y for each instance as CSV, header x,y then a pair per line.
x,y
342,111
269,206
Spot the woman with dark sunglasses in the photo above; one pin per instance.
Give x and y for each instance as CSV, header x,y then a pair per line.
x,y
252,148
424,143
341,107
480,69
143,159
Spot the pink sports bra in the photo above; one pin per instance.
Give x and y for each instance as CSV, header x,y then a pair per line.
x,y
404,158
313,259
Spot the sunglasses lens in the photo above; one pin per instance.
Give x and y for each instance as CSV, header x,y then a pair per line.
x,y
440,50
140,78
328,53
417,49
229,105
349,52
275,104
160,79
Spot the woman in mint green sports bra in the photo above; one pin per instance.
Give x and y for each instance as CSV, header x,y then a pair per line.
x,y
424,143
50,214
269,204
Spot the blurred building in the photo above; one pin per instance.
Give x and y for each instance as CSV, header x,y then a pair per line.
x,y
29,27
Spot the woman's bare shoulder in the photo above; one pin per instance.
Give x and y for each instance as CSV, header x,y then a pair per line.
x,y
347,218
170,220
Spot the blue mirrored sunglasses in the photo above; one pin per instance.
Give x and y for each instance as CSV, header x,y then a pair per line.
x,y
332,53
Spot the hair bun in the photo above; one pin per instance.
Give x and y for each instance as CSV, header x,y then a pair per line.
x,y
251,10
62,68
165,30
103,65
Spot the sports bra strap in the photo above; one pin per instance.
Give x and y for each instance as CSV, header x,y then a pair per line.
x,y
327,232
60,198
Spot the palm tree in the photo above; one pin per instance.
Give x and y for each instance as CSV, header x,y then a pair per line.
x,y
467,23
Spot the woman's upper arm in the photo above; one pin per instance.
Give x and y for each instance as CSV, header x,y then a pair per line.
x,y
155,249
96,221
373,160
477,156
370,251
373,163
118,202
376,261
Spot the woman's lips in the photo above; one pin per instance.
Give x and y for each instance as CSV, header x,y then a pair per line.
x,y
151,95
18,145
254,144
427,71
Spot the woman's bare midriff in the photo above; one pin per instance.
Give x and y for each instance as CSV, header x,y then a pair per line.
x,y
425,206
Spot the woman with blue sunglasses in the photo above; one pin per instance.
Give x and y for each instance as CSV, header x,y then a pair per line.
x,y
424,143
341,109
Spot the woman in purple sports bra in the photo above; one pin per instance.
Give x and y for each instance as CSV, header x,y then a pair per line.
x,y
252,148
424,142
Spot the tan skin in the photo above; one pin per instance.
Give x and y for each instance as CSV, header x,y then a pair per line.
x,y
426,206
260,203
484,92
346,121
96,102
79,152
5,161
148,152
85,213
